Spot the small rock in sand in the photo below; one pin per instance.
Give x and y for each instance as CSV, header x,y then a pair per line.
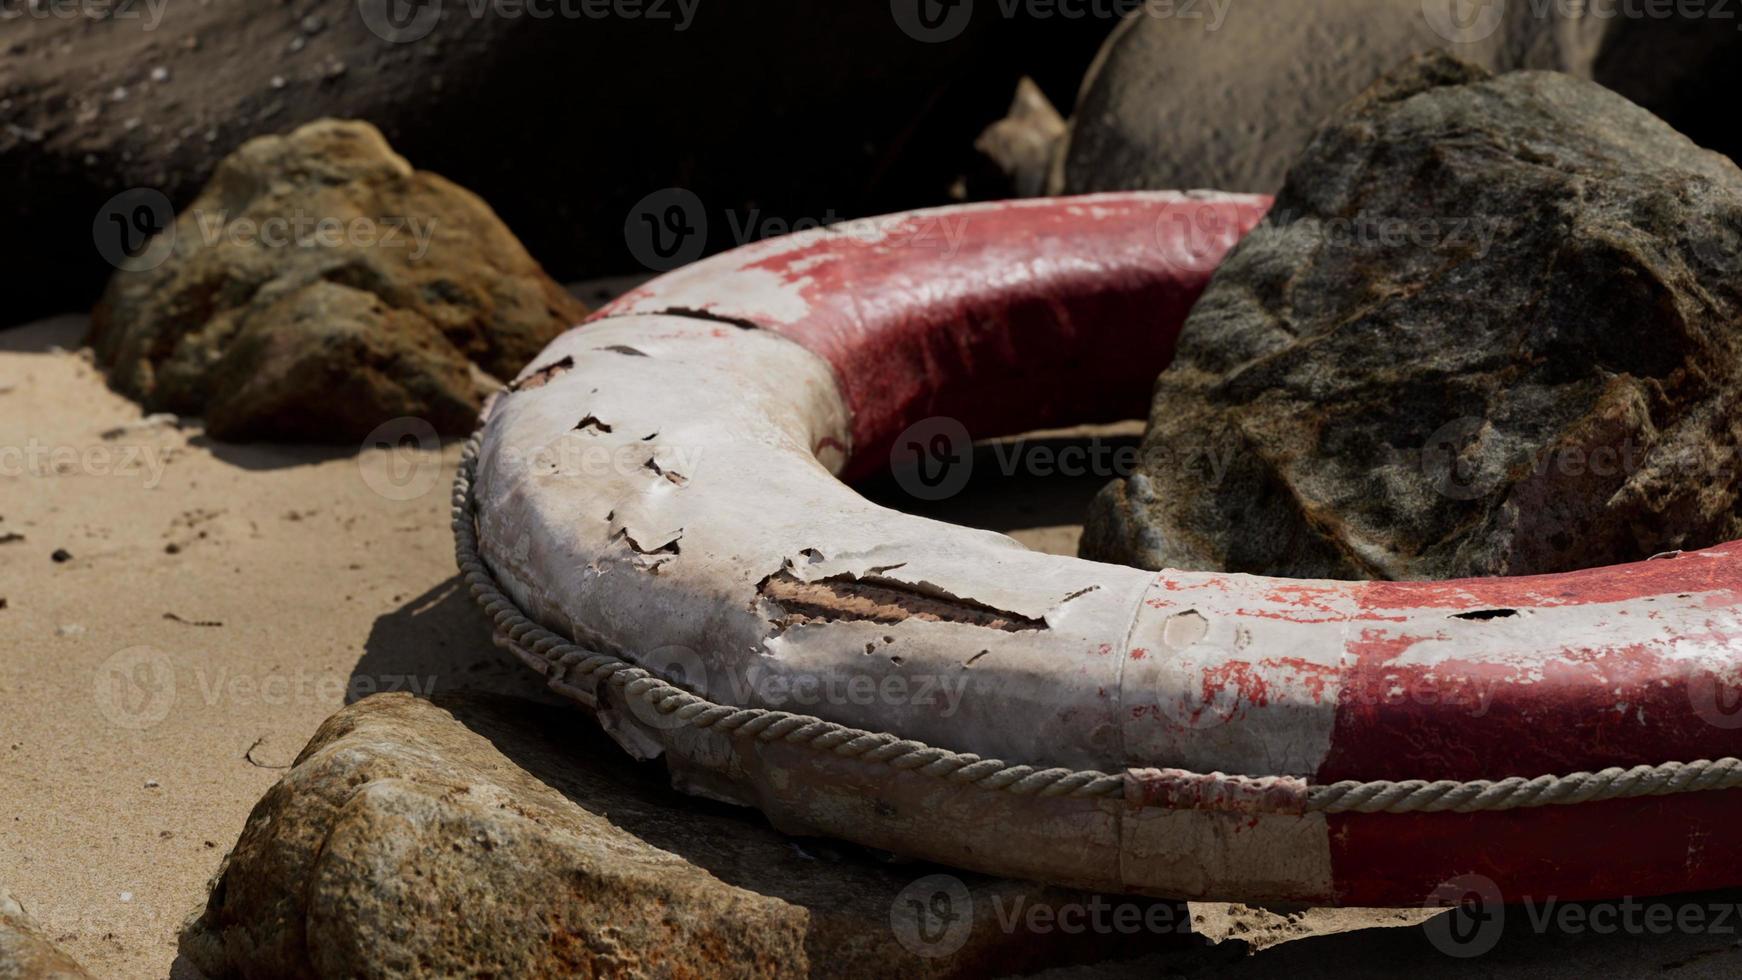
x,y
320,287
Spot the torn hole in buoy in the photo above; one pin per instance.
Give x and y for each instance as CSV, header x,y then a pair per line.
x,y
542,376
1483,615
843,598
672,476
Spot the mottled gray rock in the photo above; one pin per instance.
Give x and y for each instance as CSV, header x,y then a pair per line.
x,y
319,287
1183,102
25,954
474,837
1493,327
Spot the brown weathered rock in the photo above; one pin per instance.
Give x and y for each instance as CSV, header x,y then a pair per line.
x,y
25,954
492,837
1493,327
1192,101
319,287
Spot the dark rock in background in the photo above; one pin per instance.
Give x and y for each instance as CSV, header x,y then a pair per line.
x,y
1024,147
1492,327
492,837
319,287
1176,102
777,110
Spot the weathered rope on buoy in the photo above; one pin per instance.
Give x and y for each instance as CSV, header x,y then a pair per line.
x,y
1615,783
963,768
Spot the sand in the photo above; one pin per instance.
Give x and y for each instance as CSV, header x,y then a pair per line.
x,y
217,602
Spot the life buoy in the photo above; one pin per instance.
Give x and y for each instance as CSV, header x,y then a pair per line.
x,y
653,517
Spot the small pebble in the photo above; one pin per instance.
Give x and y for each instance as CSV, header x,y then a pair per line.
x,y
69,629
151,784
61,555
160,74
126,896
278,81
118,93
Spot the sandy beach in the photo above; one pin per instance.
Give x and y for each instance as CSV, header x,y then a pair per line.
x,y
215,605
211,604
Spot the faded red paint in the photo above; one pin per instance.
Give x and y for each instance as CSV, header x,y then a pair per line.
x,y
1716,570
995,317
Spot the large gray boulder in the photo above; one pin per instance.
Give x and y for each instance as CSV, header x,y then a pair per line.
x,y
318,287
482,837
1492,327
1227,97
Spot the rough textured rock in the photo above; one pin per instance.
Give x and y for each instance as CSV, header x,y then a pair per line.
x,y
25,954
1178,102
490,837
563,123
319,287
1493,327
